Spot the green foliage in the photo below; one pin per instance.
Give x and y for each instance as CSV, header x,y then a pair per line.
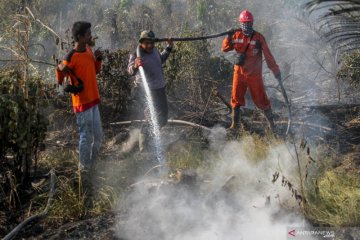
x,y
22,126
214,15
201,8
192,71
165,6
125,5
114,81
130,24
350,69
340,22
6,8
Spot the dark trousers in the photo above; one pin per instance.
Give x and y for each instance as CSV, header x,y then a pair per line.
x,y
160,104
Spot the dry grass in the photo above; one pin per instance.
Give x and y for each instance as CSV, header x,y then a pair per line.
x,y
105,200
333,194
188,156
71,201
193,156
257,147
59,159
350,69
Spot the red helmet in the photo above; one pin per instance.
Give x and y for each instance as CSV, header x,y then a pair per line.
x,y
246,16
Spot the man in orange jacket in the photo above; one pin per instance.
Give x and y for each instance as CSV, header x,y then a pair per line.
x,y
250,47
81,65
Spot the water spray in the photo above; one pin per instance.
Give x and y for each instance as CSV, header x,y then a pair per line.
x,y
154,123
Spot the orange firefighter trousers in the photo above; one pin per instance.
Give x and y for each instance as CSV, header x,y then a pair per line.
x,y
257,91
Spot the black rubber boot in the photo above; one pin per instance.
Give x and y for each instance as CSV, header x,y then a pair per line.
x,y
235,115
270,118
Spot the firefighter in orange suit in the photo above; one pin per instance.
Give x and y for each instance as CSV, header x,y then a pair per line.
x,y
250,47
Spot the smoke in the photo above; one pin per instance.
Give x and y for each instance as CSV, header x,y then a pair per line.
x,y
132,140
229,204
294,38
207,210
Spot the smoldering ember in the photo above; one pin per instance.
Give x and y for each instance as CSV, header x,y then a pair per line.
x,y
179,119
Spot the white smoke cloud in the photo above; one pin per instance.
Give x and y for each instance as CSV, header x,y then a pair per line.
x,y
207,210
131,141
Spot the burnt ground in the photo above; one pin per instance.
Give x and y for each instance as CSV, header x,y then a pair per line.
x,y
335,126
95,228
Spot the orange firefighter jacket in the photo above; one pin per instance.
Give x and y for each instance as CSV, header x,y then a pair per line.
x,y
253,63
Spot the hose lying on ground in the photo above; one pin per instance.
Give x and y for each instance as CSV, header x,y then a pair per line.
x,y
181,122
16,230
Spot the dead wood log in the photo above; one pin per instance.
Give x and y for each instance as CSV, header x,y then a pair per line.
x,y
17,229
152,169
181,122
152,183
182,177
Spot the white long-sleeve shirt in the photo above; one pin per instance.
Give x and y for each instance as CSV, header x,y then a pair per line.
x,y
152,64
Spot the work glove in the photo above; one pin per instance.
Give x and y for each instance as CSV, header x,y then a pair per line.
x,y
231,32
278,76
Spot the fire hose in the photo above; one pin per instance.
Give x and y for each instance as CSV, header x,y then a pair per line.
x,y
189,39
41,215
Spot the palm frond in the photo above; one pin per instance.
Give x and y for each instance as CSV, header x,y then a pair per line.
x,y
339,22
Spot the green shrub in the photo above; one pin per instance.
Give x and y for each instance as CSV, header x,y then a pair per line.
x,y
22,126
192,71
